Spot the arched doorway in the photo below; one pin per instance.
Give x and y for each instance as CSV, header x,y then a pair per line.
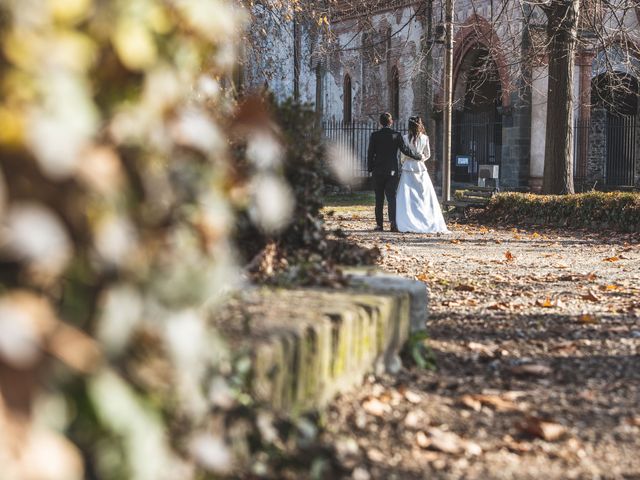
x,y
477,120
616,94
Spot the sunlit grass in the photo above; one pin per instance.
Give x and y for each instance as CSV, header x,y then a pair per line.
x,y
349,201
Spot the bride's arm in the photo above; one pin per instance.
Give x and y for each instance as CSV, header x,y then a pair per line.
x,y
426,151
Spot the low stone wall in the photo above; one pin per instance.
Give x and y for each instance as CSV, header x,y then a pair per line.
x,y
326,341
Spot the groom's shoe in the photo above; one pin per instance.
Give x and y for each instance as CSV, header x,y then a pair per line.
x,y
378,228
394,228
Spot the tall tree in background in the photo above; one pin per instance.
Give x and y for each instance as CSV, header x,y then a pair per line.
x,y
562,30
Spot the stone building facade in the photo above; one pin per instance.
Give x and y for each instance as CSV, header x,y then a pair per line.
x,y
390,58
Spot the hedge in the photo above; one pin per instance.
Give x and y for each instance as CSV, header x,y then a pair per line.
x,y
594,210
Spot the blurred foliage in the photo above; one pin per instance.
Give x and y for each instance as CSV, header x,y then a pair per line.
x,y
303,253
117,199
618,211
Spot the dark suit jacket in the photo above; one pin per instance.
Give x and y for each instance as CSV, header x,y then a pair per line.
x,y
382,157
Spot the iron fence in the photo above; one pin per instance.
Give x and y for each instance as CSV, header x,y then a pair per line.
x,y
478,139
611,148
482,142
352,141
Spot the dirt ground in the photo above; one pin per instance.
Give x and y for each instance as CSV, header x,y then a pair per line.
x,y
536,339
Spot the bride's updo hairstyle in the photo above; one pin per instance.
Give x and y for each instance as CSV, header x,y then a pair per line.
x,y
415,128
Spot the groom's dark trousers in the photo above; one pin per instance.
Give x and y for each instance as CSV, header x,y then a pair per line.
x,y
382,161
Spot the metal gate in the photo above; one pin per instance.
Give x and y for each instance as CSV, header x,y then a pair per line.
x,y
621,150
477,135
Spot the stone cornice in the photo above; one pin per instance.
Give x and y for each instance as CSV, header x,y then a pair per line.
x,y
346,10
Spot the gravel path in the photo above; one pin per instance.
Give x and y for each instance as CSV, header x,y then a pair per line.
x,y
536,338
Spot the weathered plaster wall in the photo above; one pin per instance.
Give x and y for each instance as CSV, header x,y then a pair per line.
x,y
269,57
370,69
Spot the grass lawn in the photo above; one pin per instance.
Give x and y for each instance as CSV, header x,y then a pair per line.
x,y
351,200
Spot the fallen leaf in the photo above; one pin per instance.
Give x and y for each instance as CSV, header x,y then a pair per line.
x,y
376,455
564,347
454,241
497,402
482,349
612,259
609,288
591,296
415,419
375,407
412,397
499,306
509,256
515,446
422,440
587,318
547,303
546,430
423,277
463,287
532,369
635,421
471,402
535,235
447,442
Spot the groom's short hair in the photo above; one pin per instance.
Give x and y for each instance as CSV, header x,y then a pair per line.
x,y
386,119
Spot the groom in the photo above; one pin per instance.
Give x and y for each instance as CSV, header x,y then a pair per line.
x,y
382,160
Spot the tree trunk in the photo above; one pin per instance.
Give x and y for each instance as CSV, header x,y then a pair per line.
x,y
562,27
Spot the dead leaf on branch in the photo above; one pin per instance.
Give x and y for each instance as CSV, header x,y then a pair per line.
x,y
546,430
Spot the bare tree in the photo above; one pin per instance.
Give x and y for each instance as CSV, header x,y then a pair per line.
x,y
562,30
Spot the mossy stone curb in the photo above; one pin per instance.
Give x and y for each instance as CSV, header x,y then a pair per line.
x,y
343,335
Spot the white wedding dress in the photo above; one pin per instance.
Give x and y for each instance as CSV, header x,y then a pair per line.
x,y
417,206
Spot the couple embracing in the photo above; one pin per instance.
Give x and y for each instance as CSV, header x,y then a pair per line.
x,y
413,204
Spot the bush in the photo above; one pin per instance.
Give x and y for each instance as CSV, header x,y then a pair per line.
x,y
303,251
594,210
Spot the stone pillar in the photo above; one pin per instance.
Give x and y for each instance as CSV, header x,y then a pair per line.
x,y
516,140
584,62
539,83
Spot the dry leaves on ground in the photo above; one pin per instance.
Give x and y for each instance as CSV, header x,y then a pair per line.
x,y
544,429
497,402
446,442
531,369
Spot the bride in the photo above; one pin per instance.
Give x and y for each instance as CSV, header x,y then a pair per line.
x,y
417,207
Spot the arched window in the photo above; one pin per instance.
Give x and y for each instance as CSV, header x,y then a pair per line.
x,y
319,89
395,93
347,97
